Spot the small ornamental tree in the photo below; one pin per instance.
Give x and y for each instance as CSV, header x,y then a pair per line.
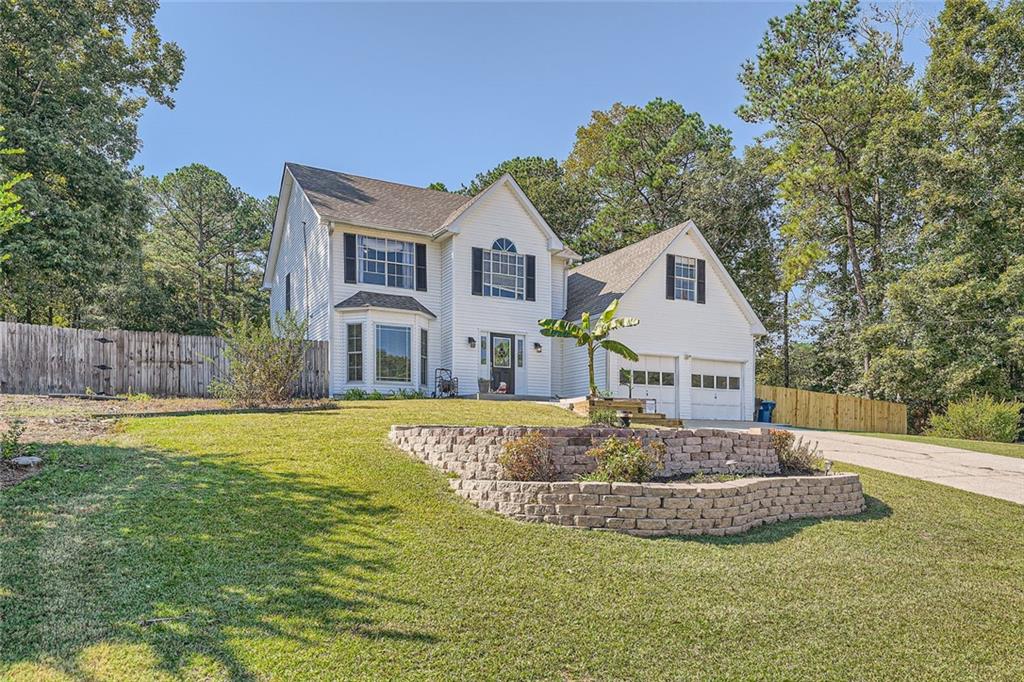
x,y
593,337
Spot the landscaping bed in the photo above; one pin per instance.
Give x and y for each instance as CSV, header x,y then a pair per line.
x,y
646,508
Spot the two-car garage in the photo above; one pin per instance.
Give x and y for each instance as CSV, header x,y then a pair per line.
x,y
715,387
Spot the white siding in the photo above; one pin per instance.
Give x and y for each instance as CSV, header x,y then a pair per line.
x,y
499,214
575,374
341,290
306,259
557,311
445,314
717,330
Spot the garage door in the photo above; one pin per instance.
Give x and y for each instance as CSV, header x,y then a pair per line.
x,y
654,379
715,390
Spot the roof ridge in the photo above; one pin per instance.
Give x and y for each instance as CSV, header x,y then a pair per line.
x,y
383,182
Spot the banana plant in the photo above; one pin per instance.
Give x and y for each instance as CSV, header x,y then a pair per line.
x,y
593,337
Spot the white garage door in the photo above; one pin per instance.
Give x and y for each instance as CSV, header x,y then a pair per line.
x,y
715,390
654,379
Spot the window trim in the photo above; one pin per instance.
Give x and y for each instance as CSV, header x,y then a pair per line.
x,y
424,361
406,269
376,354
684,287
349,353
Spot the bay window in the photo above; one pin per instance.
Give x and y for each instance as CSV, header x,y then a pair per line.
x,y
394,353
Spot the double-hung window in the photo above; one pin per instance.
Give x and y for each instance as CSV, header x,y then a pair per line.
x,y
355,351
504,271
387,262
686,278
394,353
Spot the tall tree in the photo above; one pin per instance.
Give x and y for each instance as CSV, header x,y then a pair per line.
x,y
12,212
564,205
202,258
956,324
836,93
74,79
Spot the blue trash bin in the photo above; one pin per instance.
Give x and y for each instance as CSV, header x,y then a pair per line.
x,y
764,413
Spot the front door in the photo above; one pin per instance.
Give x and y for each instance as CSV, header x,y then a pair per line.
x,y
502,369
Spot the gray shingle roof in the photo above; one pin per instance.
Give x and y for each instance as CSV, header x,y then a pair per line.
x,y
353,199
370,299
592,286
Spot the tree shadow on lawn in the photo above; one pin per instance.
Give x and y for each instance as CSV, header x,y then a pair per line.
x,y
188,557
774,532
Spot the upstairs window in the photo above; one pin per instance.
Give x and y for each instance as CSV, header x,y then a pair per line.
x,y
504,271
686,278
387,262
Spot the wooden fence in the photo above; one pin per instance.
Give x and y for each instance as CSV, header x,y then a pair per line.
x,y
813,410
37,359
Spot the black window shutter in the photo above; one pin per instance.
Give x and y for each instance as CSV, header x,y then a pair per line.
x,y
478,272
670,277
421,267
531,278
701,281
350,258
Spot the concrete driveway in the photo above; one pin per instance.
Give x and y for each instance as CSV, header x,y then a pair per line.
x,y
977,472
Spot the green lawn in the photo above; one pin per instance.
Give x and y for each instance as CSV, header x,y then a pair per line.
x,y
302,546
1005,449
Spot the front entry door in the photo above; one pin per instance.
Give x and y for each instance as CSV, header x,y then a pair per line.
x,y
502,369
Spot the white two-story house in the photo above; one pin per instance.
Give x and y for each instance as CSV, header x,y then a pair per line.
x,y
404,281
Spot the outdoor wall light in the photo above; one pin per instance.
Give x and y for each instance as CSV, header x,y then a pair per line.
x,y
472,342
537,347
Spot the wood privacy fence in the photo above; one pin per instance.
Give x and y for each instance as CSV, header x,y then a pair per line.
x,y
813,410
38,359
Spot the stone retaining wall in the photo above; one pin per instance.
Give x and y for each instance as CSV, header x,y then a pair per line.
x,y
472,451
651,509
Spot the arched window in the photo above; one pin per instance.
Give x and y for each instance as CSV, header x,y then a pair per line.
x,y
504,274
502,244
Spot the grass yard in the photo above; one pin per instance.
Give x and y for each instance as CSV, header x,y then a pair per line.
x,y
302,546
1004,449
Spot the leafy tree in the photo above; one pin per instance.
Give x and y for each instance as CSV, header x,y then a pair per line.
x,y
642,163
438,186
956,325
836,92
11,211
593,337
74,79
564,205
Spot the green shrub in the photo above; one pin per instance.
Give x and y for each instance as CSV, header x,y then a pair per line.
x,y
264,367
796,456
354,394
600,416
375,395
626,460
978,418
527,459
10,440
406,394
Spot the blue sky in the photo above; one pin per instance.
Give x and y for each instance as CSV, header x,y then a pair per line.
x,y
422,92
